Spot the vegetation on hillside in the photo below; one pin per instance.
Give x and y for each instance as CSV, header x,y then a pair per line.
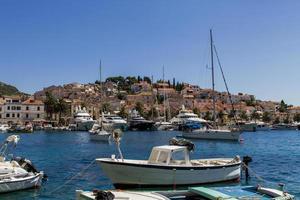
x,y
6,89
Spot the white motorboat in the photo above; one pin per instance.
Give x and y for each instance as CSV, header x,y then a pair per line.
x,y
83,121
214,134
164,126
186,116
200,193
100,135
169,165
18,173
283,126
261,126
114,122
4,127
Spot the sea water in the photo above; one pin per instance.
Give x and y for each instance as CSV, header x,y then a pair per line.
x,y
68,158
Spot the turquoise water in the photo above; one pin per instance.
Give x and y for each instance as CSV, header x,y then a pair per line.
x,y
276,158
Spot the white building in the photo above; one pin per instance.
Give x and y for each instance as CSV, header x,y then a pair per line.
x,y
14,110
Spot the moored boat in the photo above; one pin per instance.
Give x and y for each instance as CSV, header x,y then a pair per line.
x,y
283,126
82,121
213,134
18,173
139,123
169,165
200,193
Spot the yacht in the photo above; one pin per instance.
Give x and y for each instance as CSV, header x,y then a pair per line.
x,y
262,126
186,117
245,126
170,165
111,121
139,123
16,173
283,126
200,193
164,126
82,121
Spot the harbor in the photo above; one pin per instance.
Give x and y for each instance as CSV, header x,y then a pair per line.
x,y
55,152
149,100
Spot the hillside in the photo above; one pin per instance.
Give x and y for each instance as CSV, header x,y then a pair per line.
x,y
6,89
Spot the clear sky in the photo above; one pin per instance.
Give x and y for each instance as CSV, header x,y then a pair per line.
x,y
46,42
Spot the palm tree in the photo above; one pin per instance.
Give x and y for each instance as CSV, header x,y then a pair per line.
x,y
61,107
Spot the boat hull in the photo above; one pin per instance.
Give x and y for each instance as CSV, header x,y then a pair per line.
x,y
21,183
124,174
212,135
99,137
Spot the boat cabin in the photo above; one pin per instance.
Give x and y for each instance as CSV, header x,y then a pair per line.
x,y
170,155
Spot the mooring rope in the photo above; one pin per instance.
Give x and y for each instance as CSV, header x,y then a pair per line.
x,y
68,181
260,178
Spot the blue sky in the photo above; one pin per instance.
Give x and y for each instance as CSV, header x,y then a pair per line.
x,y
54,42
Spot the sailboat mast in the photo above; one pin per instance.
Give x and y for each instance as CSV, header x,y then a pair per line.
x,y
100,73
213,78
101,96
165,117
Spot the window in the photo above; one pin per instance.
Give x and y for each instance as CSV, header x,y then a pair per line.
x,y
38,108
27,116
0,116
38,115
13,115
163,156
18,115
8,107
27,107
18,107
0,108
7,115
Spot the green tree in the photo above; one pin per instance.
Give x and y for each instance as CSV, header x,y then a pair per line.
x,y
266,117
179,86
123,113
276,121
208,116
147,79
297,117
287,119
231,114
106,107
140,108
283,106
196,111
221,116
61,107
121,96
244,116
254,115
50,104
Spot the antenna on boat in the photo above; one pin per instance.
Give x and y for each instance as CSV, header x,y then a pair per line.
x,y
117,136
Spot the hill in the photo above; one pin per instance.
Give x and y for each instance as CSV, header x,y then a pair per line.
x,y
6,89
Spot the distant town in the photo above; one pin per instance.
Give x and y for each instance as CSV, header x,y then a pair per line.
x,y
120,95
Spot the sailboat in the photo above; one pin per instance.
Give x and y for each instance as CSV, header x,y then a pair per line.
x,y
100,134
164,125
213,132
